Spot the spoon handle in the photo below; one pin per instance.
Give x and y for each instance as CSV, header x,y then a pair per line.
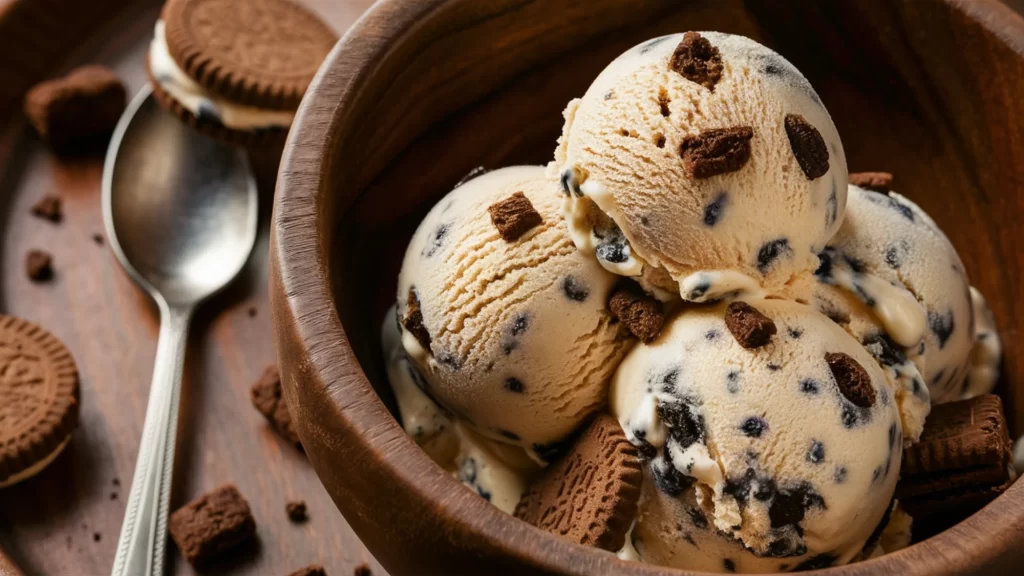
x,y
140,549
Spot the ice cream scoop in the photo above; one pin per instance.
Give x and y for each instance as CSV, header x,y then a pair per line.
x,y
779,426
505,319
890,255
703,160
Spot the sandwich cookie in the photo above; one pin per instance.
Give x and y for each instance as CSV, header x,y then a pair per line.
x,y
233,70
38,399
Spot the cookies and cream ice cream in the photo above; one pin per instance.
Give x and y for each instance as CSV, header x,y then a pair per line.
x,y
513,337
781,427
702,154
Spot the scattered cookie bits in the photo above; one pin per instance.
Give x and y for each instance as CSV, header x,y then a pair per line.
x,y
96,536
252,312
641,314
212,525
697,60
853,380
590,495
961,464
514,216
297,511
266,397
808,146
748,325
875,181
413,321
717,151
362,570
76,109
311,570
39,265
49,208
97,239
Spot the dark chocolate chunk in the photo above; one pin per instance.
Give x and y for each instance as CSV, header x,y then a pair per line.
x,y
713,211
770,252
749,327
574,289
729,565
49,208
514,216
39,265
875,181
754,427
808,146
853,380
640,313
717,151
514,385
212,525
791,504
697,60
413,320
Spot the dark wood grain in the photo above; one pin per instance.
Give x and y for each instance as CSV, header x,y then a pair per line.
x,y
423,90
48,524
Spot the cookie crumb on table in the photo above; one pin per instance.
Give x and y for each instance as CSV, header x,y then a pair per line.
x,y
49,208
297,511
311,570
39,265
212,525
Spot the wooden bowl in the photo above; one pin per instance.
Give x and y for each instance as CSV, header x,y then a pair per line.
x,y
421,91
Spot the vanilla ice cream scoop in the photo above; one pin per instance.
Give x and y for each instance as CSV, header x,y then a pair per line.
x,y
702,163
778,424
505,319
892,257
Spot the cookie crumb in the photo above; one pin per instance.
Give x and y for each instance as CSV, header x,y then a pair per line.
x,y
874,181
808,146
717,151
116,482
96,536
113,495
853,380
297,511
697,60
362,570
514,216
311,570
267,399
252,312
97,239
748,325
212,525
49,208
413,321
643,315
77,108
39,265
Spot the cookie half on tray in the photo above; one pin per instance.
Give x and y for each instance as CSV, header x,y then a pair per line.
x,y
235,70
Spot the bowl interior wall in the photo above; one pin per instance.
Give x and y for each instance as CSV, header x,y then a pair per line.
x,y
896,108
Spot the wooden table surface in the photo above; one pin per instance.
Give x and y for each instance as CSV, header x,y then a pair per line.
x,y
66,520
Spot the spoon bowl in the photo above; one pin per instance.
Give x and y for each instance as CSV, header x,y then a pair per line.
x,y
180,210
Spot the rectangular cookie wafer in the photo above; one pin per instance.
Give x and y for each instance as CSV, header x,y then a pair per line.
x,y
960,436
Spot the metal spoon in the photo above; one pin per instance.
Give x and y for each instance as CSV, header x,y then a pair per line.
x,y
180,212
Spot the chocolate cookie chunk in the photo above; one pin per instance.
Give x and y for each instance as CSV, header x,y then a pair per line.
x,y
589,496
311,570
266,397
717,151
297,511
641,314
77,109
413,320
697,60
38,265
853,380
38,399
807,145
748,325
514,216
48,208
212,525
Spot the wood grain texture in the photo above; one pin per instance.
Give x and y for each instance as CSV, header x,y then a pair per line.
x,y
49,524
422,91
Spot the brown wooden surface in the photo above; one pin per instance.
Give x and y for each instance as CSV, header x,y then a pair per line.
x,y
48,524
424,90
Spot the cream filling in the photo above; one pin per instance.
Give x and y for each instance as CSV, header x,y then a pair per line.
x,y
35,468
200,101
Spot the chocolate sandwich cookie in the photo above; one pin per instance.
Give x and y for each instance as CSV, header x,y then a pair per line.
x,y
590,495
233,70
38,399
961,464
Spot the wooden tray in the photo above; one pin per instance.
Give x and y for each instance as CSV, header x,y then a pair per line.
x,y
67,519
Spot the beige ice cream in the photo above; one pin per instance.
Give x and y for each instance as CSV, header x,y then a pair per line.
x,y
769,443
890,255
518,342
498,473
987,352
639,197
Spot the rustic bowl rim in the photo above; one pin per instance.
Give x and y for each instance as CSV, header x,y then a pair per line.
x,y
311,312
